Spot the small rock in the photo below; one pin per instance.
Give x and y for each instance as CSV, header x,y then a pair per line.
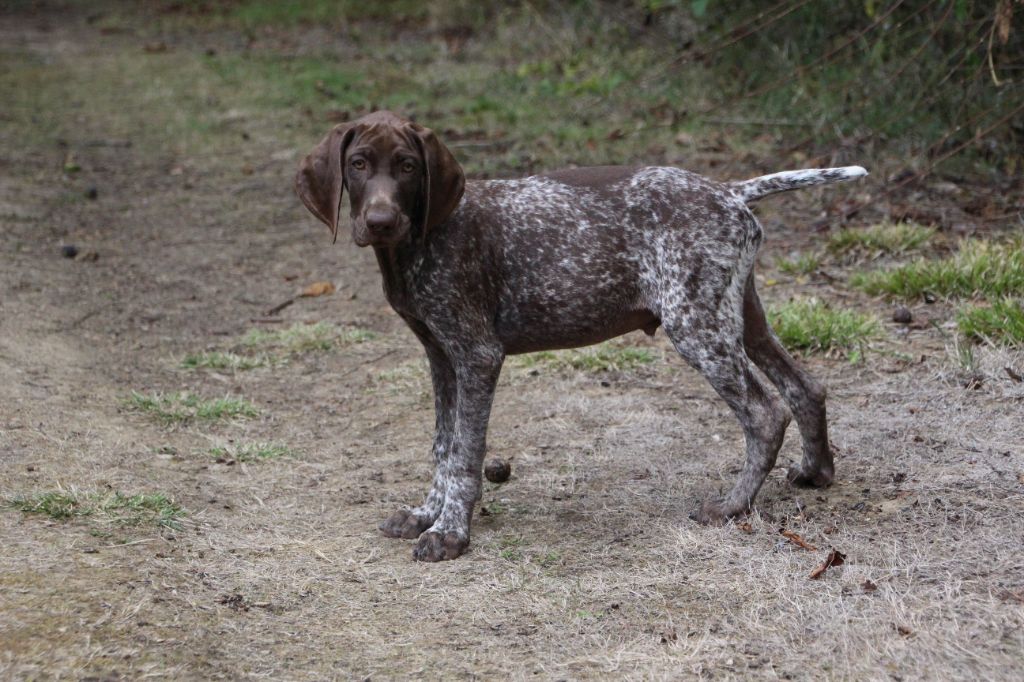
x,y
497,470
92,193
69,250
902,315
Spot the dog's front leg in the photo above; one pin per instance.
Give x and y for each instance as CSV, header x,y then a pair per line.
x,y
459,469
406,522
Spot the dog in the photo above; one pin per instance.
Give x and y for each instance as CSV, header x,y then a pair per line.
x,y
484,269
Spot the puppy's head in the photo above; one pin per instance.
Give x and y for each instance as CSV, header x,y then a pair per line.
x,y
400,178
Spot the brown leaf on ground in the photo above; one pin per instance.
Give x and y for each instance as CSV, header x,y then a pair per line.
x,y
903,630
745,527
797,540
318,289
868,586
834,558
1013,595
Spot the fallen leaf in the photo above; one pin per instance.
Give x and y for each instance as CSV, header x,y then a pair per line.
x,y
318,289
868,586
834,558
903,630
797,540
745,527
1013,374
1017,595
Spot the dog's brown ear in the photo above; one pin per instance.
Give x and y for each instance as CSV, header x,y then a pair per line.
x,y
320,179
444,181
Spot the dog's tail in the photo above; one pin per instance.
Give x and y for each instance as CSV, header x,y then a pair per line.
x,y
752,190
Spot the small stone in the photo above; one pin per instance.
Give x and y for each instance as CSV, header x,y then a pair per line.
x,y
92,193
902,315
497,470
69,250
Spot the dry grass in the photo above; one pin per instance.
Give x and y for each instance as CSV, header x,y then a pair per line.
x,y
587,566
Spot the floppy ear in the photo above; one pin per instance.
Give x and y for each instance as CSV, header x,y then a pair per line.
x,y
444,181
320,179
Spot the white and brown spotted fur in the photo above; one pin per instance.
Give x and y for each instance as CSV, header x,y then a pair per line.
x,y
481,270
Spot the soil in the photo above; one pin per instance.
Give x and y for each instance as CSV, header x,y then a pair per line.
x,y
583,565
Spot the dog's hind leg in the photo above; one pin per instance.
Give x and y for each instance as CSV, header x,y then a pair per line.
x,y
803,393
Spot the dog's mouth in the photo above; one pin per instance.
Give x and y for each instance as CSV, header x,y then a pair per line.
x,y
380,233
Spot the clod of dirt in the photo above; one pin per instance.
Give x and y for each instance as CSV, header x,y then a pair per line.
x,y
69,250
974,381
497,470
92,193
902,315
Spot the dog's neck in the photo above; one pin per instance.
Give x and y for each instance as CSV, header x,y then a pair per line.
x,y
396,264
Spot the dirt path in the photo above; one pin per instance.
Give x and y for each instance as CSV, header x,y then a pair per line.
x,y
585,565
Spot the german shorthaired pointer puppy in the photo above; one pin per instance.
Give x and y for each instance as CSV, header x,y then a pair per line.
x,y
485,269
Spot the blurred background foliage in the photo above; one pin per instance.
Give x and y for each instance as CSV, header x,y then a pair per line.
x,y
924,87
930,81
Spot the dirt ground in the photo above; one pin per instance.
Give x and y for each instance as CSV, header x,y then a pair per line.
x,y
585,565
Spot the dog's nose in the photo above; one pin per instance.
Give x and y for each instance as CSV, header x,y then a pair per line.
x,y
380,220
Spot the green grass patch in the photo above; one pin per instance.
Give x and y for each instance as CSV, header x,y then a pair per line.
x,y
114,508
177,408
304,338
225,361
270,348
604,357
277,13
251,452
801,264
1002,322
978,269
891,239
813,326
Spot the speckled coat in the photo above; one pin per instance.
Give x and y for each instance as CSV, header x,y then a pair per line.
x,y
562,260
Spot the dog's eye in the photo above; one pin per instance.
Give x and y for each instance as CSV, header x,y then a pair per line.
x,y
359,164
408,166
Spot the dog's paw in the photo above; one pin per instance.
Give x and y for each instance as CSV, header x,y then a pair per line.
x,y
820,478
404,524
437,546
711,513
